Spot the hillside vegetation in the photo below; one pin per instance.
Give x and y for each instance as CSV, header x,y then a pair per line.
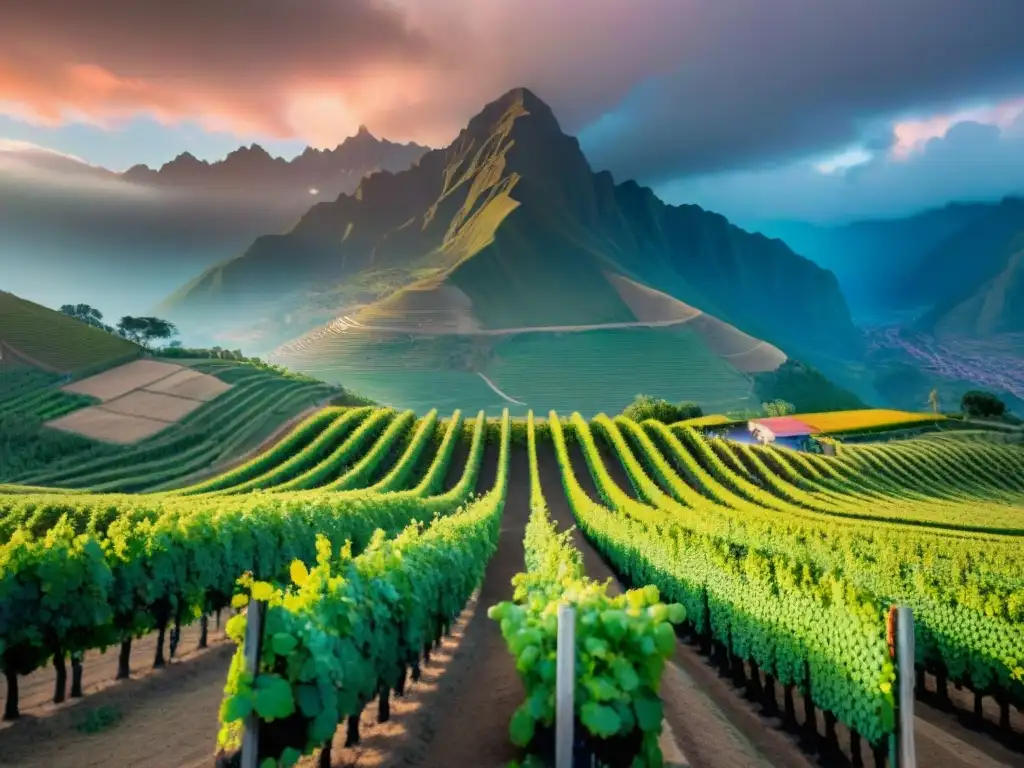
x,y
34,336
239,420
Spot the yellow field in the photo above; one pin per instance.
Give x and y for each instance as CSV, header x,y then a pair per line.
x,y
845,421
711,420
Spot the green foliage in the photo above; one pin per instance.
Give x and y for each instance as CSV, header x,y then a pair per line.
x,y
778,408
801,626
805,387
350,626
109,565
622,642
982,405
646,407
143,330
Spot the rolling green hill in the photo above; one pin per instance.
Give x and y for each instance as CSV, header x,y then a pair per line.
x,y
36,337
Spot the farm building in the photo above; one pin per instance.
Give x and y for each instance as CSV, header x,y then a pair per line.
x,y
782,430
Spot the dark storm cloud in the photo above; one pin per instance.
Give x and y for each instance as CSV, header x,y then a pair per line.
x,y
691,86
763,81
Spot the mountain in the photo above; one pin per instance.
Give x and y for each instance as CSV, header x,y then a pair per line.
x,y
315,171
987,308
971,279
873,259
509,227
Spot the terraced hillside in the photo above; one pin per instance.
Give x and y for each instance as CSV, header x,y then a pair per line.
x,y
778,567
214,432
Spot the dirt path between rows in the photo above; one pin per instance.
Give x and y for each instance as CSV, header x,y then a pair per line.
x,y
713,727
458,713
941,740
168,717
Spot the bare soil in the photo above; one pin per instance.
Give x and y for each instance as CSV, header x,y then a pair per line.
x,y
97,423
191,384
123,379
168,717
153,405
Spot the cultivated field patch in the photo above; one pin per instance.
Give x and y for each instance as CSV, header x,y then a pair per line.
x,y
97,423
194,385
152,405
138,400
119,381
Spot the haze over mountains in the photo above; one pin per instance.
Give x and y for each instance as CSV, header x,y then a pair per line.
x,y
507,228
511,219
323,173
69,227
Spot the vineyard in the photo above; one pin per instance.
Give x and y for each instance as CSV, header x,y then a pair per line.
x,y
241,419
371,542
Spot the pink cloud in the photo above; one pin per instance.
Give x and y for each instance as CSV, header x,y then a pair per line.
x,y
726,81
912,135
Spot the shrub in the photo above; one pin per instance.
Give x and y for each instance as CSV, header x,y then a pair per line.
x,y
982,405
778,408
647,407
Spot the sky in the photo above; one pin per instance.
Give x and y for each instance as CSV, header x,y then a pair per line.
x,y
792,109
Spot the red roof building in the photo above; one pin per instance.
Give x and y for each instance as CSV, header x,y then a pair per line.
x,y
783,426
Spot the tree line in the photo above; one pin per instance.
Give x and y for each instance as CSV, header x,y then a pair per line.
x,y
141,330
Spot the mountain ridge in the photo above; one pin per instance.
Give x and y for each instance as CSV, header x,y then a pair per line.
x,y
508,216
333,171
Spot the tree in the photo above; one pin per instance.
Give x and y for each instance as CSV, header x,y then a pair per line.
x,y
143,330
978,404
933,400
778,408
646,407
689,411
85,314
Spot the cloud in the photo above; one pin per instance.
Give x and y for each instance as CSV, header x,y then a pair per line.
x,y
969,161
685,86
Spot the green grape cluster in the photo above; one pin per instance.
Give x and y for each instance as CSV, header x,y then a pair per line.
x,y
622,642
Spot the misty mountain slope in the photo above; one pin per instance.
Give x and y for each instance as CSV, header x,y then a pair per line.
x,y
69,226
966,267
512,216
874,258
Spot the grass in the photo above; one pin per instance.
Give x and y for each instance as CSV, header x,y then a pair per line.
x,y
595,371
48,339
423,390
230,425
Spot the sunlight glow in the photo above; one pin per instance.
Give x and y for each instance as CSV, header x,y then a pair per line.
x,y
843,161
